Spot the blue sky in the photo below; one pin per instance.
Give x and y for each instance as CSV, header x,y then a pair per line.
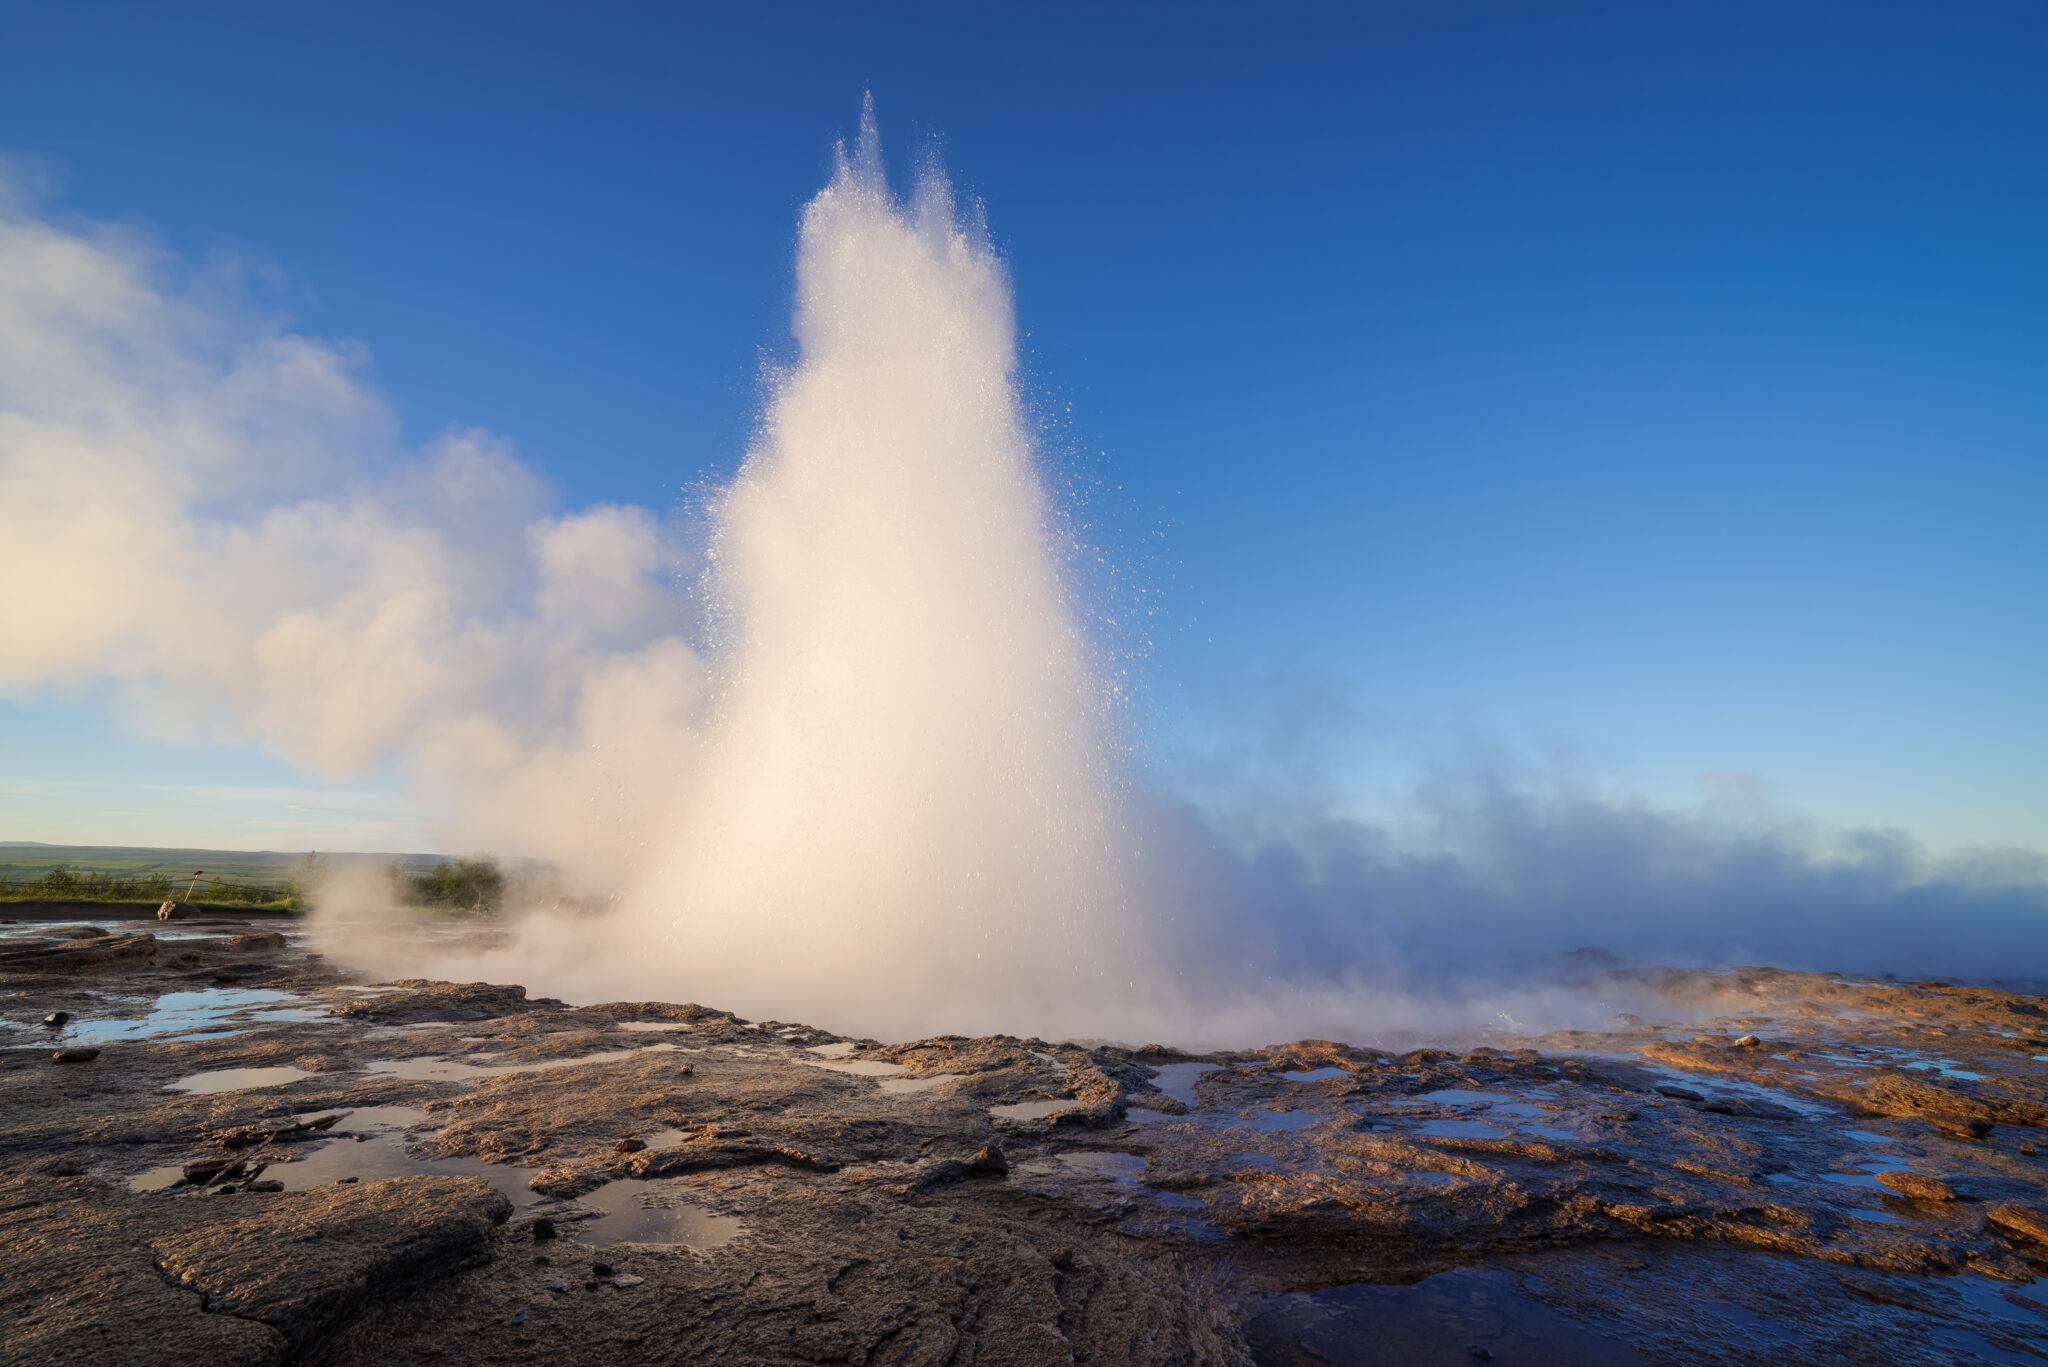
x,y
1646,392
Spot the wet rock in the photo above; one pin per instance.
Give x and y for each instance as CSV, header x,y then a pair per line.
x,y
303,1263
564,1182
626,1279
1748,1042
629,1146
79,955
601,1269
1918,1186
57,1018
1678,1093
263,1186
543,1228
1960,1127
2027,1221
989,1161
74,1056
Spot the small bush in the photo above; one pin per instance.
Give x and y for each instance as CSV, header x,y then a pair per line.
x,y
460,887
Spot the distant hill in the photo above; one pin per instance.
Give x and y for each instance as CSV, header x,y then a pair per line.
x,y
27,858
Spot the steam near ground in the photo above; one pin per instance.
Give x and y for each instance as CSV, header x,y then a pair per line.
x,y
842,753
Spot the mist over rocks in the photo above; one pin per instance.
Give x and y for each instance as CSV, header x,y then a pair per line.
x,y
791,1192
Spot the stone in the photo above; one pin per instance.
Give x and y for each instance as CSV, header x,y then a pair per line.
x,y
1960,1127
601,1269
2027,1221
1917,1185
303,1263
1748,1042
989,1161
629,1146
57,1018
543,1228
626,1279
74,1056
263,1186
1677,1093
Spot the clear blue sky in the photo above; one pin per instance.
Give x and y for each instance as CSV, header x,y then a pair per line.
x,y
1662,385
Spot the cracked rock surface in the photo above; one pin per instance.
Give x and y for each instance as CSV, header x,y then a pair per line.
x,y
269,1162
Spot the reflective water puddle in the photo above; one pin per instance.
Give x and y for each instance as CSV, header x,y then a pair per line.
x,y
1457,1096
217,1012
1470,1314
1178,1080
235,1080
652,1212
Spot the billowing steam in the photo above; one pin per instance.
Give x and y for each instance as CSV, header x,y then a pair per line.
x,y
840,755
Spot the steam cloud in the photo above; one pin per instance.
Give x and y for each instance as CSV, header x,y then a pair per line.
x,y
844,756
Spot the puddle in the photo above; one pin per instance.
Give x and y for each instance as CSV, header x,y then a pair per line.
x,y
434,1069
381,1152
1727,1088
215,1012
235,1080
1867,1137
1455,1096
1317,1075
1260,1118
1116,1167
892,1076
652,1212
1031,1110
1947,1067
1125,1170
838,1050
1549,1132
1465,1315
1177,1080
903,1085
1460,1129
858,1067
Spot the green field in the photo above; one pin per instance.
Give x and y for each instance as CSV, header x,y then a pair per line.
x,y
137,873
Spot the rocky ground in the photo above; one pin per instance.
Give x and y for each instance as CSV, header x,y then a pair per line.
x,y
232,1152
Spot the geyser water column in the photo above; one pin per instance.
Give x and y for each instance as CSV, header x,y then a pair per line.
x,y
909,816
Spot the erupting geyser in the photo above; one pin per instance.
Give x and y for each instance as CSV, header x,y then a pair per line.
x,y
909,780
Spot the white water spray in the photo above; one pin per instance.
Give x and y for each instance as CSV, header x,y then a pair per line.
x,y
910,783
